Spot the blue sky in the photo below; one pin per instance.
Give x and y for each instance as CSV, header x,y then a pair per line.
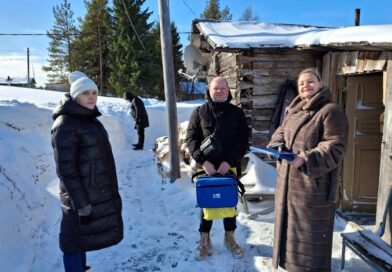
x,y
23,16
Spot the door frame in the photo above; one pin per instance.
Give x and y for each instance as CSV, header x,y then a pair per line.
x,y
346,201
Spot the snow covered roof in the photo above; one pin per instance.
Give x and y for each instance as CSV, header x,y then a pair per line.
x,y
16,80
269,35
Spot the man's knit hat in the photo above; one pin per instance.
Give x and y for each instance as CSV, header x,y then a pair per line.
x,y
80,82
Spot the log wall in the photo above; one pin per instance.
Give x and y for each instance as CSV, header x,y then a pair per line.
x,y
255,78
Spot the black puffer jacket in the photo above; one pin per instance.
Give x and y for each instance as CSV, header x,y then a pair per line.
x,y
232,131
87,173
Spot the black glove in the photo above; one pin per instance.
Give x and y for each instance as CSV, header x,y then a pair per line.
x,y
85,220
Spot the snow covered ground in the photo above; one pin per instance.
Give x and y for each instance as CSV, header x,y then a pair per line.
x,y
161,218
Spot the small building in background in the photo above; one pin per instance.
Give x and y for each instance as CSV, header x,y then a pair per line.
x,y
193,90
17,82
59,87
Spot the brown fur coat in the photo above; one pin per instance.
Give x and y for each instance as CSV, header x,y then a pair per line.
x,y
305,197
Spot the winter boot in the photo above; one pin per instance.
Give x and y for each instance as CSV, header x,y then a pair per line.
x,y
87,268
138,147
205,247
231,244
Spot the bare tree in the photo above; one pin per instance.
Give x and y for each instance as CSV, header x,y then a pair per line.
x,y
247,15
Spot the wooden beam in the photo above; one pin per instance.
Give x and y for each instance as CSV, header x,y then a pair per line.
x,y
260,138
300,56
333,73
264,101
283,64
386,156
342,62
285,72
372,61
382,60
227,63
261,124
326,69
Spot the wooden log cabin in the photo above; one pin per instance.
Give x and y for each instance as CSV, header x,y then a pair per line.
x,y
355,63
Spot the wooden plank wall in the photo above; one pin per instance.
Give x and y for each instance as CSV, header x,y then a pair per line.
x,y
351,63
386,157
360,62
255,78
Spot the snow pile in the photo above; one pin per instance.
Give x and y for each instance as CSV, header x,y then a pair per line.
x,y
260,175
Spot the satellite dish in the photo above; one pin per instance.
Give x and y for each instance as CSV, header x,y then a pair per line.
x,y
193,59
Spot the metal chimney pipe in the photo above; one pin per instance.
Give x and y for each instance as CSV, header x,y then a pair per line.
x,y
357,16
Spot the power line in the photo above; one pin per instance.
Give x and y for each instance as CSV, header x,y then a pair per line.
x,y
186,4
12,50
41,34
134,29
13,59
64,34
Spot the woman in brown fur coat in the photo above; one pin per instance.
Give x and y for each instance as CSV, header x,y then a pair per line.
x,y
315,129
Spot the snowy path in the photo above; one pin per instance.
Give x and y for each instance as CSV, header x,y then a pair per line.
x,y
159,235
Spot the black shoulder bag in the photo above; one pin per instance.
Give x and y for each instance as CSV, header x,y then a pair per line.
x,y
211,147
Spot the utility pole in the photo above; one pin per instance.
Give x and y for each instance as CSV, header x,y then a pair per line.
x,y
170,94
28,67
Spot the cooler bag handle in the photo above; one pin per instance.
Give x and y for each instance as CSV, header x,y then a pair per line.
x,y
241,187
195,175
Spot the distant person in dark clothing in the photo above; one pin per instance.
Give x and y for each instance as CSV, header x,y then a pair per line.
x,y
139,114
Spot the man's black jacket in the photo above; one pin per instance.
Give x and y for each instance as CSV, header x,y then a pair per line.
x,y
231,129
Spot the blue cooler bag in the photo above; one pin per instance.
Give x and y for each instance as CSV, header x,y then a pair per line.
x,y
216,191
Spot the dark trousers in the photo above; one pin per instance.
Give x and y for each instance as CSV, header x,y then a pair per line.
x,y
140,133
229,223
74,262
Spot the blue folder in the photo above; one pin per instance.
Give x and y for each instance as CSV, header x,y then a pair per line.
x,y
284,155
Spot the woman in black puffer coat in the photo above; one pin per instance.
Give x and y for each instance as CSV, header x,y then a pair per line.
x,y
90,200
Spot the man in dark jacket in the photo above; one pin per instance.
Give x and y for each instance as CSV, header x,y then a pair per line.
x,y
139,114
228,123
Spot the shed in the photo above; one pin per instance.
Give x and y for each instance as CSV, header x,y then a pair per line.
x,y
59,87
355,63
192,90
18,81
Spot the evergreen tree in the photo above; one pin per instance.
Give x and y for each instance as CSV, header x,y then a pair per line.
x,y
130,53
62,34
247,15
91,48
213,12
158,86
177,55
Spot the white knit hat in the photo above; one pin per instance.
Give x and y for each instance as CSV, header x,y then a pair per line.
x,y
80,82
